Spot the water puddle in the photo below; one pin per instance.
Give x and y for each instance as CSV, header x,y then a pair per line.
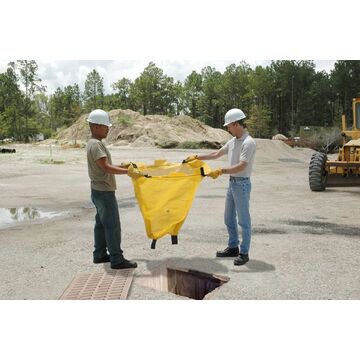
x,y
12,216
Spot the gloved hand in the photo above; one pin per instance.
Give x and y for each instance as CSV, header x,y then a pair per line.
x,y
215,173
134,173
190,158
125,165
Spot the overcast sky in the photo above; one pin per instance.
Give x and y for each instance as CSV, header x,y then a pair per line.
x,y
68,72
178,39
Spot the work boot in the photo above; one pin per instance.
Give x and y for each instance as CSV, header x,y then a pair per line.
x,y
241,259
228,252
103,259
125,264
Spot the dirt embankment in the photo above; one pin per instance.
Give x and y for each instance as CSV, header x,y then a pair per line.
x,y
133,129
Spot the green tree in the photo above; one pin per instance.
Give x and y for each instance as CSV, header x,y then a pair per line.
x,y
146,90
345,79
122,95
11,101
42,109
314,106
153,92
170,102
292,81
259,122
210,101
94,91
56,109
27,74
72,104
193,90
178,105
111,101
65,106
261,86
235,87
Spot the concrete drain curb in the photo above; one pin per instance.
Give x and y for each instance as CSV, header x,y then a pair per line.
x,y
112,285
188,283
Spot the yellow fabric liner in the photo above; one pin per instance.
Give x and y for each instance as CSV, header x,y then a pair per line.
x,y
166,196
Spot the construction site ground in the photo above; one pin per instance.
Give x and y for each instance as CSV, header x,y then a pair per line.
x,y
305,245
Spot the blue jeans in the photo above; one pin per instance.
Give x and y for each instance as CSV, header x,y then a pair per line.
x,y
107,230
237,208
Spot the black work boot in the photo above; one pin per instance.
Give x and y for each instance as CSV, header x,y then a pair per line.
x,y
228,252
104,259
241,259
125,264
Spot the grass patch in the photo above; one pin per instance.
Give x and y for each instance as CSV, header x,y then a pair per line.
x,y
73,146
49,161
189,145
199,145
124,119
168,145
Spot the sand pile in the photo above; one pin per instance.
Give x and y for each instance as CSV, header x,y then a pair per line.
x,y
133,129
268,151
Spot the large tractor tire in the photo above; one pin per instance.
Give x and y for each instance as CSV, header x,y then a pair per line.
x,y
317,172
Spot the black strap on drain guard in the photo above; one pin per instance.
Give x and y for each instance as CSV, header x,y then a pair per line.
x,y
174,241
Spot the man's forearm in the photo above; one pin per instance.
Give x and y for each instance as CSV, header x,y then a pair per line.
x,y
116,170
234,169
211,156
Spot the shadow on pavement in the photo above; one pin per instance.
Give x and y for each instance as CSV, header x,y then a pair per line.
x,y
207,265
254,266
200,264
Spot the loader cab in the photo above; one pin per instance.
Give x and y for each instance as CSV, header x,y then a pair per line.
x,y
354,131
356,114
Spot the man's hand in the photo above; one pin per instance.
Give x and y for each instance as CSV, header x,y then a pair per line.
x,y
190,158
134,173
215,173
125,165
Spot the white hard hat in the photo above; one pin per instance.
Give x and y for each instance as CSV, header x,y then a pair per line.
x,y
99,117
233,115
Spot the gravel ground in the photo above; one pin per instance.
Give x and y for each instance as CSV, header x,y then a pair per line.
x,y
305,245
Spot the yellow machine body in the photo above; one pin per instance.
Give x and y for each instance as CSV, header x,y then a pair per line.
x,y
345,170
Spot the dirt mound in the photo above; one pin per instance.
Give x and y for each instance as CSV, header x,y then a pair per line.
x,y
268,151
133,129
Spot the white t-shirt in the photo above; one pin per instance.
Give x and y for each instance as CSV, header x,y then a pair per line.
x,y
242,149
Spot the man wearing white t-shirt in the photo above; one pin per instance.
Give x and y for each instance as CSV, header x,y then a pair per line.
x,y
241,153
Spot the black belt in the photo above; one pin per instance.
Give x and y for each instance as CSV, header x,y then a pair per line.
x,y
241,178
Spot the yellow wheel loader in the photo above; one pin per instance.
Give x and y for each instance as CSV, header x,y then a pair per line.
x,y
345,170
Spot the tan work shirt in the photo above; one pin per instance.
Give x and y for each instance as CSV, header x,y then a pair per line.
x,y
100,180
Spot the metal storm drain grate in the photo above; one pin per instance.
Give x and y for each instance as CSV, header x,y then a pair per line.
x,y
185,282
112,285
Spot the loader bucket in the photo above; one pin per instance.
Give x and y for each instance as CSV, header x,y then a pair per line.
x,y
343,173
338,180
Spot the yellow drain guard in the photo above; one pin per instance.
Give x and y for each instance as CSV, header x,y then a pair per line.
x,y
165,195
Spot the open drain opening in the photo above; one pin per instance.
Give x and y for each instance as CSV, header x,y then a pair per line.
x,y
185,282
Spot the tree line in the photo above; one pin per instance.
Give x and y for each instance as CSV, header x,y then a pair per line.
x,y
279,98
